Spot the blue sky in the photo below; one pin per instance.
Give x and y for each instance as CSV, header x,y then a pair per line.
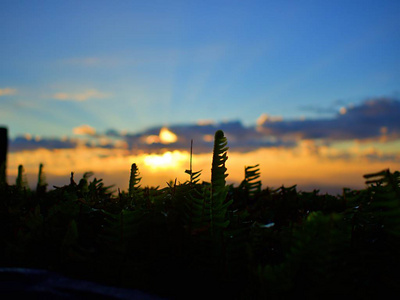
x,y
310,90
132,65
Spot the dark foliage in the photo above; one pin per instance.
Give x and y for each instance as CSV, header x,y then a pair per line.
x,y
196,239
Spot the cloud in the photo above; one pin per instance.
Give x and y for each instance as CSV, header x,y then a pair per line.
x,y
83,96
372,119
164,137
278,166
7,91
310,153
267,118
370,123
84,130
240,138
27,142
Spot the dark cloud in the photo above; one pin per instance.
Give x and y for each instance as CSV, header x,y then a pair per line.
x,y
371,119
240,138
323,109
113,133
318,109
28,143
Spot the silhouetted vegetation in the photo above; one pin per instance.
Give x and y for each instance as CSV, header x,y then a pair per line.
x,y
200,239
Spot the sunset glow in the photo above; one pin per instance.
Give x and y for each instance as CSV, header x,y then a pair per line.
x,y
164,137
308,165
168,160
312,98
167,136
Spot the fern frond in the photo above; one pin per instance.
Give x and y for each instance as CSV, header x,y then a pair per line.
x,y
218,168
385,199
219,190
134,192
196,210
318,247
134,180
3,156
41,184
251,176
21,182
122,226
195,177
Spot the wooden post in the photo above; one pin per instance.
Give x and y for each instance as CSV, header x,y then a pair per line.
x,y
3,156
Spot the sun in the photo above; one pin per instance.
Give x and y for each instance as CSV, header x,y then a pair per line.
x,y
166,160
167,136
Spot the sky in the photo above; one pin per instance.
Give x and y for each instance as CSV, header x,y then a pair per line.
x,y
300,87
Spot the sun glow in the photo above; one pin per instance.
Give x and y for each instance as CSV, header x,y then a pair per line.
x,y
167,136
166,160
309,165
